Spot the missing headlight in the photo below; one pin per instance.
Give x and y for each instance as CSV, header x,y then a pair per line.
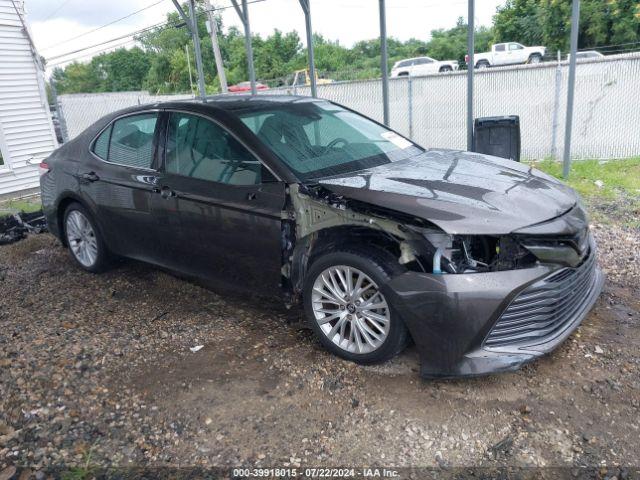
x,y
475,253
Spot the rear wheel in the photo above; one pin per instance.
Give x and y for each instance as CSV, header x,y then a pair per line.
x,y
482,64
347,309
83,238
445,69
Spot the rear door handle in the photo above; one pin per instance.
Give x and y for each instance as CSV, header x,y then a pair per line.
x,y
90,177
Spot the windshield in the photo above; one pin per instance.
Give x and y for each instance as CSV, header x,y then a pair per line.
x,y
320,139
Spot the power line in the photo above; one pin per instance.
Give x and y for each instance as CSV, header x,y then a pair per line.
x,y
137,32
105,25
165,24
97,52
56,10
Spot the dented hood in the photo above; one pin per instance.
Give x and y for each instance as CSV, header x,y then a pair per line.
x,y
460,192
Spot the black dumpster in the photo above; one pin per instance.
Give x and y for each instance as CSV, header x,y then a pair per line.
x,y
499,136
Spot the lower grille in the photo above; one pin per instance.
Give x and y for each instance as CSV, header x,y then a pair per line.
x,y
541,311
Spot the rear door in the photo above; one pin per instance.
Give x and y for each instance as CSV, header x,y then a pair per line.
x,y
228,205
119,178
500,54
424,66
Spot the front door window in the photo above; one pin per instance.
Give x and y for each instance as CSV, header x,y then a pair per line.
x,y
199,148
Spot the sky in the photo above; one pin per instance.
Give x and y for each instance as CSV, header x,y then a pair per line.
x,y
55,23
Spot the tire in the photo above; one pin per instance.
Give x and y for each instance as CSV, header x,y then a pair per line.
x,y
83,238
350,342
446,69
535,58
403,74
482,64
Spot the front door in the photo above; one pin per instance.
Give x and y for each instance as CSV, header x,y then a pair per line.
x,y
517,53
226,202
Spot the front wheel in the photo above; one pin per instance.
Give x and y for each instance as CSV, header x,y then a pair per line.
x,y
83,238
446,69
347,309
535,58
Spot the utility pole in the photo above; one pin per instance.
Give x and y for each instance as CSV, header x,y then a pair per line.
x,y
186,49
213,31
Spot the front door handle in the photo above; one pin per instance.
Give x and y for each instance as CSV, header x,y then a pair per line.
x,y
90,177
251,196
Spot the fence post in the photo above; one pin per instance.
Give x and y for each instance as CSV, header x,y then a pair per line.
x,y
410,92
63,124
556,110
571,88
384,67
470,71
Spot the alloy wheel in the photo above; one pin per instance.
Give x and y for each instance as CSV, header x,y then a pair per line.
x,y
81,238
350,309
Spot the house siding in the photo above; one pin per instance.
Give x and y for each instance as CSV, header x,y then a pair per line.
x,y
26,130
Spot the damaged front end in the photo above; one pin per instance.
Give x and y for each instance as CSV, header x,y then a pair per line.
x,y
474,304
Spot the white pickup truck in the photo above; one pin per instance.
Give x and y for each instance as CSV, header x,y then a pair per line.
x,y
510,53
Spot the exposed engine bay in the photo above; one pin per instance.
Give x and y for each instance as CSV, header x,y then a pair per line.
x,y
316,219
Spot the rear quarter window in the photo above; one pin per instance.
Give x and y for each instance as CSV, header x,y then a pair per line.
x,y
101,145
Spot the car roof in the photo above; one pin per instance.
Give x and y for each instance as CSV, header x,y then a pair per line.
x,y
413,58
227,102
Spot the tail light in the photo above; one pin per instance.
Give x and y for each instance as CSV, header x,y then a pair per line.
x,y
466,59
43,168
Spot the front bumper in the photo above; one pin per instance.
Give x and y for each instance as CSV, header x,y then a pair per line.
x,y
481,323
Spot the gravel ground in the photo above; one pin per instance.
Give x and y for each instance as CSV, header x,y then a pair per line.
x,y
97,370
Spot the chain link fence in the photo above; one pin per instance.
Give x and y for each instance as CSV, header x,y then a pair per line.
x,y
80,110
432,110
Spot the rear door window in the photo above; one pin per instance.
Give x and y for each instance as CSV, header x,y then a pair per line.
x,y
500,47
132,141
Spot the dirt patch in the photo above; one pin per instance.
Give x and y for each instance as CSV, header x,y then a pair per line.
x,y
98,369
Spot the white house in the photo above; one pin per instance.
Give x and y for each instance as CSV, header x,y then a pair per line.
x,y
26,130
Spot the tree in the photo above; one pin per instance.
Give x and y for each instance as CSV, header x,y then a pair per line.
x,y
452,44
76,78
160,65
606,24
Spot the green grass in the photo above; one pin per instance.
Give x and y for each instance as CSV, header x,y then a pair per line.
x,y
16,205
619,177
617,200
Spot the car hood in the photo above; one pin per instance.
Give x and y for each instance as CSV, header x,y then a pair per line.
x,y
460,192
